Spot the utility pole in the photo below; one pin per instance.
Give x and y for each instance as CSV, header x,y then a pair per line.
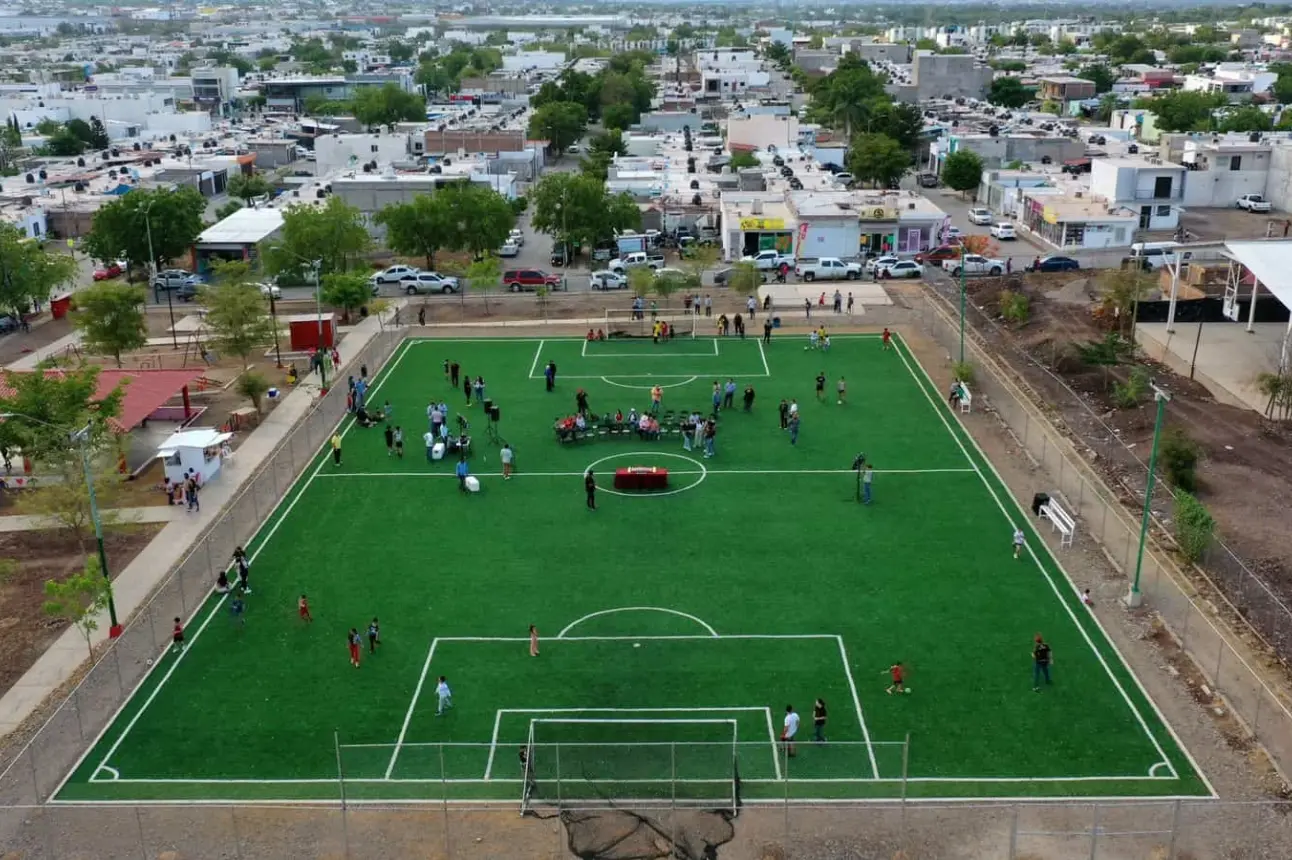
x,y
152,266
1134,597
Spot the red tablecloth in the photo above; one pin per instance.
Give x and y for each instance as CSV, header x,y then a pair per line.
x,y
641,478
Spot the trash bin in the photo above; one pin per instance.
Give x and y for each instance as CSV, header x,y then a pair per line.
x,y
59,307
776,322
1039,501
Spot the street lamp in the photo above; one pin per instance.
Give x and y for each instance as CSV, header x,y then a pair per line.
x,y
1134,598
963,294
81,438
273,315
152,264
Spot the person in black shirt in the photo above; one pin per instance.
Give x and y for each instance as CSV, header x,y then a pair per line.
x,y
390,440
785,414
767,331
1041,659
590,487
820,385
455,371
749,398
818,721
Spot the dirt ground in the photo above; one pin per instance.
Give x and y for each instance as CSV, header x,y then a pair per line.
x,y
1245,473
40,556
1215,224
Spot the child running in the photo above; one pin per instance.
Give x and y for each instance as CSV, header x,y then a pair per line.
x,y
303,607
177,636
898,674
352,639
374,636
1018,543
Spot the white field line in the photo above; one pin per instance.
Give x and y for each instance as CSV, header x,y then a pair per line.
x,y
412,706
538,353
677,612
296,497
519,474
937,780
493,743
767,371
937,408
856,701
635,722
771,735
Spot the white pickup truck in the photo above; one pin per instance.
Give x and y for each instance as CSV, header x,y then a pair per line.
x,y
636,260
1254,203
974,264
827,269
769,260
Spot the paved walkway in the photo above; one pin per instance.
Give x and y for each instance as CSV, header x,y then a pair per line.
x,y
132,585
149,514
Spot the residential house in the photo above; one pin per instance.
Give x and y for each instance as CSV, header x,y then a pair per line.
x,y
1152,189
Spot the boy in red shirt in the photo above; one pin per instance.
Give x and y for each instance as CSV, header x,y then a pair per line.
x,y
177,636
898,674
303,606
888,338
353,639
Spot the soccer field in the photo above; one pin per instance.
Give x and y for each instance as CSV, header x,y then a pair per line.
x,y
675,627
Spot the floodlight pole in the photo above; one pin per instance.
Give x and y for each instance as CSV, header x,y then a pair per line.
x,y
152,264
1134,597
963,293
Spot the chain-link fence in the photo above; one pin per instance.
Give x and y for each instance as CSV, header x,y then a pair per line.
x,y
1101,513
34,773
1126,830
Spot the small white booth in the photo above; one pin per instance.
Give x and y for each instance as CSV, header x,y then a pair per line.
x,y
201,449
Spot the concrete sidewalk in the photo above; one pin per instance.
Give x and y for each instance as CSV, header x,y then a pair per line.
x,y
135,583
124,516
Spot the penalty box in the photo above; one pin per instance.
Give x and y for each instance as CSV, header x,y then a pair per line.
x,y
669,363
694,697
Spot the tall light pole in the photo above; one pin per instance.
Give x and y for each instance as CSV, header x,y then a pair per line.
x,y
1134,597
81,438
152,265
318,311
963,295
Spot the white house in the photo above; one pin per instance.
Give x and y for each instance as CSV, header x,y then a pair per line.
x,y
1154,190
196,450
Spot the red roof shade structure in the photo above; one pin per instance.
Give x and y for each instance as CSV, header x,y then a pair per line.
x,y
145,391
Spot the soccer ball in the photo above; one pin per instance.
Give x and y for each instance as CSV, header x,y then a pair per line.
x,y
150,661
908,690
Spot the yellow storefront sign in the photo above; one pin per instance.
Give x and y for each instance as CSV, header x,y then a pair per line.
x,y
876,213
1049,215
762,223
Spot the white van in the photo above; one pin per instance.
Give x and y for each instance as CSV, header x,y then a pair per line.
x,y
1155,255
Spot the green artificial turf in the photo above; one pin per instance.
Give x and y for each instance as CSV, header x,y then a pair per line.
x,y
811,595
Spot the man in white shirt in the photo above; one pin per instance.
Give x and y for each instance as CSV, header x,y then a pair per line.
x,y
429,438
507,456
791,729
444,696
794,408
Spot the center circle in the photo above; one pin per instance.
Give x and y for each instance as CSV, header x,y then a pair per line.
x,y
704,473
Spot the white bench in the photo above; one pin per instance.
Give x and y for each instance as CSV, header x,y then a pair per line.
x,y
1060,520
966,398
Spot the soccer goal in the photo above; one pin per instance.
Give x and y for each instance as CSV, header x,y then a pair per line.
x,y
625,322
594,763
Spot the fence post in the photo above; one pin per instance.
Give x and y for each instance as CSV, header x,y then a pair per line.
x,y
672,776
906,758
1175,829
1013,834
1094,832
444,802
557,750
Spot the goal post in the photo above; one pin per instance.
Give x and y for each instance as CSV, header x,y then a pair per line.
x,y
605,762
626,322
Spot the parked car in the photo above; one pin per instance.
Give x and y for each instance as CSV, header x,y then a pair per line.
x,y
517,237
928,180
723,276
980,216
827,269
953,235
636,260
528,280
1254,203
1003,230
974,264
939,255
608,280
271,291
902,269
509,249
770,260
560,255
1054,264
8,324
394,274
874,264
428,282
110,271
173,279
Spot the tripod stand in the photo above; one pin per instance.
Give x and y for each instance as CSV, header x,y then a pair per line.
x,y
491,428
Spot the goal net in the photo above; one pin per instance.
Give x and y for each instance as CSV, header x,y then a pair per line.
x,y
592,763
625,322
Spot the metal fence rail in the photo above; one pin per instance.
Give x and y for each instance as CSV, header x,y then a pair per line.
x,y
1213,648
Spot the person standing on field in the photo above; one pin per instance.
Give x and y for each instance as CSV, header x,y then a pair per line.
x,y
1041,660
818,721
533,641
590,487
336,449
867,476
791,728
507,455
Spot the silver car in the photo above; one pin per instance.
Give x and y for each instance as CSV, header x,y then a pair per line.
x,y
428,282
608,280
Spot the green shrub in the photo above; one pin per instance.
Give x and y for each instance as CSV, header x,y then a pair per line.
x,y
1194,526
1127,394
962,371
1180,459
1014,307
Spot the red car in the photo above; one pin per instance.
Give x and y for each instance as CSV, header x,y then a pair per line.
x,y
938,255
529,280
108,272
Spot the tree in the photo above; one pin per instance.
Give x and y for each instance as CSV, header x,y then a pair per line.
x,y
610,143
481,217
696,260
346,290
420,227
245,186
846,96
222,212
742,159
745,278
878,158
480,276
120,227
619,116
253,385
1184,110
433,78
1281,89
110,317
1120,290
962,170
779,54
577,210
1247,118
902,122
641,281
333,234
98,134
64,144
387,105
28,273
237,315
80,599
668,283
51,406
1008,92
559,123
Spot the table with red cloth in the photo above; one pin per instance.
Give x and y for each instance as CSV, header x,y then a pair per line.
x,y
641,478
